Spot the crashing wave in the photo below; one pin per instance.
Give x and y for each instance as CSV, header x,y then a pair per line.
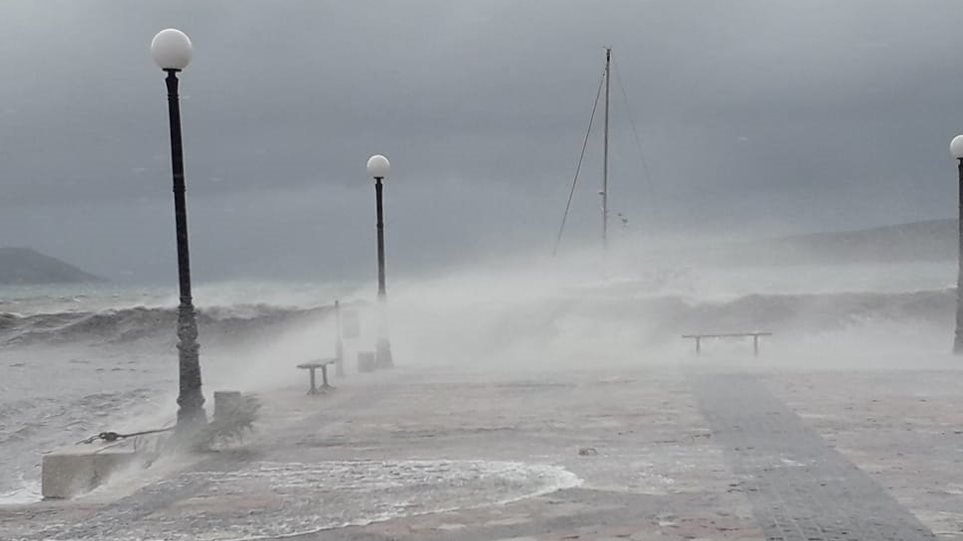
x,y
658,317
139,323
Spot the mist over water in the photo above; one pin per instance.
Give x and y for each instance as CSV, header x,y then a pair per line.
x,y
632,308
77,361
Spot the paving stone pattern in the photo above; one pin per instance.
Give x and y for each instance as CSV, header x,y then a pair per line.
x,y
800,487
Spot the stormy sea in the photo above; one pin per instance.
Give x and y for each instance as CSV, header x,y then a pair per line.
x,y
77,360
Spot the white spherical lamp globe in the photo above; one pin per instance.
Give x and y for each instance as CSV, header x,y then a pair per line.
x,y
956,147
171,49
378,166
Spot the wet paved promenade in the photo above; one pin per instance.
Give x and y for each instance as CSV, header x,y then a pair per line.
x,y
643,453
800,487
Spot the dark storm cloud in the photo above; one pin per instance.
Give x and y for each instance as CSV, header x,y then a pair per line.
x,y
795,115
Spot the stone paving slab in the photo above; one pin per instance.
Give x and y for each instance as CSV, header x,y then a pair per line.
x,y
904,429
801,489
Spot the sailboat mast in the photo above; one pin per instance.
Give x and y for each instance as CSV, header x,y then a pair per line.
x,y
605,156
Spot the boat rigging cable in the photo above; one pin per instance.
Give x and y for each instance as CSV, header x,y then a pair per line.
x,y
578,167
646,176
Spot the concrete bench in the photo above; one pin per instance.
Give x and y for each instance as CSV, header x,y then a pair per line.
x,y
312,367
755,339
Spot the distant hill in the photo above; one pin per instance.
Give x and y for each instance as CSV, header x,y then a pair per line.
x,y
933,240
23,266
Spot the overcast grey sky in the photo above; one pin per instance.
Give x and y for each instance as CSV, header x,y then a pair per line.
x,y
754,116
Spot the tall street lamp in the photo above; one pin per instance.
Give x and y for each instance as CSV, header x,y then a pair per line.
x,y
956,148
378,168
171,49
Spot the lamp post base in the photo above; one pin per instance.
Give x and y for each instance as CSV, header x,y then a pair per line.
x,y
190,419
190,413
189,431
383,354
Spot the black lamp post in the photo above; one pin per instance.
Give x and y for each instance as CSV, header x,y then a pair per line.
x,y
378,168
171,50
956,148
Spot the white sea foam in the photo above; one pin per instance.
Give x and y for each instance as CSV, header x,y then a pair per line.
x,y
285,499
26,492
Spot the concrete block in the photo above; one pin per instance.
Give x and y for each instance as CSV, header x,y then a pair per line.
x,y
366,361
69,473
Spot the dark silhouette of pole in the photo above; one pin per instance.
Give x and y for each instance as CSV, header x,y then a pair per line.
x,y
379,188
383,347
190,399
958,341
338,341
605,155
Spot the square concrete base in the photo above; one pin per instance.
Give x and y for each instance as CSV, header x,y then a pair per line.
x,y
366,361
70,473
